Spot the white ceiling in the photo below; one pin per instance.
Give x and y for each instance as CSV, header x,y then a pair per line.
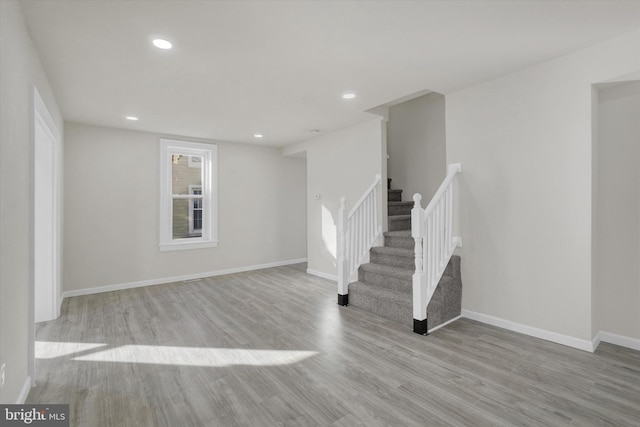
x,y
280,67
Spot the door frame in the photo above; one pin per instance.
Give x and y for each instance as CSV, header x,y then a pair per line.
x,y
42,120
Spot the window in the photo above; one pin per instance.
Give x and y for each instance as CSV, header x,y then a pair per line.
x,y
188,195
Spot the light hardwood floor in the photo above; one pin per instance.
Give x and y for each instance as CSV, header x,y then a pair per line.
x,y
272,348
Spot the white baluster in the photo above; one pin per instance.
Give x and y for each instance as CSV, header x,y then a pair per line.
x,y
343,262
440,245
375,207
419,280
450,217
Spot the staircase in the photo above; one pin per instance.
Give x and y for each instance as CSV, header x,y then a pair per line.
x,y
384,284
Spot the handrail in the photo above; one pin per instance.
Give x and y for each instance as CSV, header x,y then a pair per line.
x,y
357,231
453,170
432,230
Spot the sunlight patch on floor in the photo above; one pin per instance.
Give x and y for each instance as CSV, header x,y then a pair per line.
x,y
196,356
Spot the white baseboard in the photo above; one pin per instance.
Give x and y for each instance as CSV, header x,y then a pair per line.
x,y
332,277
165,280
595,342
621,340
443,324
567,340
26,387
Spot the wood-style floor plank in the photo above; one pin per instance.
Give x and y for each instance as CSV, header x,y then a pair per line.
x,y
272,348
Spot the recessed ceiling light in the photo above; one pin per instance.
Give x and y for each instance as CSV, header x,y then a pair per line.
x,y
258,135
349,95
162,44
132,118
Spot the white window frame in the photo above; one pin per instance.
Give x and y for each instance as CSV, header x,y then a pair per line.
x,y
209,154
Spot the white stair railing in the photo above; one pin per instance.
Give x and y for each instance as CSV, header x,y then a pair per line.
x,y
432,229
357,231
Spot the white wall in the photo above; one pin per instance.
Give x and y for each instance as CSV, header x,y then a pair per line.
x,y
618,239
111,226
20,70
342,163
416,144
525,143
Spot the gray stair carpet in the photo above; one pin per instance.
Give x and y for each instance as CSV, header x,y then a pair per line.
x,y
384,284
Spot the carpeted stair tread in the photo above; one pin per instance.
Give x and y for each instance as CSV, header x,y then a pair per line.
x,y
386,303
393,256
399,208
394,195
399,239
398,233
388,277
362,287
390,250
387,270
400,217
399,222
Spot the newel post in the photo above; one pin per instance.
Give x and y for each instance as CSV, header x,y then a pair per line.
x,y
343,263
419,278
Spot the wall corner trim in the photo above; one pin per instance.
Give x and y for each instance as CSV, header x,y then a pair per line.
x,y
569,341
26,387
165,280
595,342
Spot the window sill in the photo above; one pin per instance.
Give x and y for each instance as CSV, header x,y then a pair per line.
x,y
181,246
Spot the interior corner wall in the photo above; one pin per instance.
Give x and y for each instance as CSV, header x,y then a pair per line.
x,y
525,144
341,163
595,211
21,70
416,145
619,210
112,210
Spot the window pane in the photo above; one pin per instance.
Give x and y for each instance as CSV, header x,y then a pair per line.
x,y
180,219
182,175
197,221
185,226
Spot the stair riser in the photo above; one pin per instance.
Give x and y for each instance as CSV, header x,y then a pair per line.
x,y
399,210
399,242
394,196
393,261
399,224
393,283
382,307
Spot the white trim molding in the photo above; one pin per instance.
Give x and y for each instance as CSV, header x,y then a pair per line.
x,y
332,277
621,340
442,325
581,344
166,280
24,392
